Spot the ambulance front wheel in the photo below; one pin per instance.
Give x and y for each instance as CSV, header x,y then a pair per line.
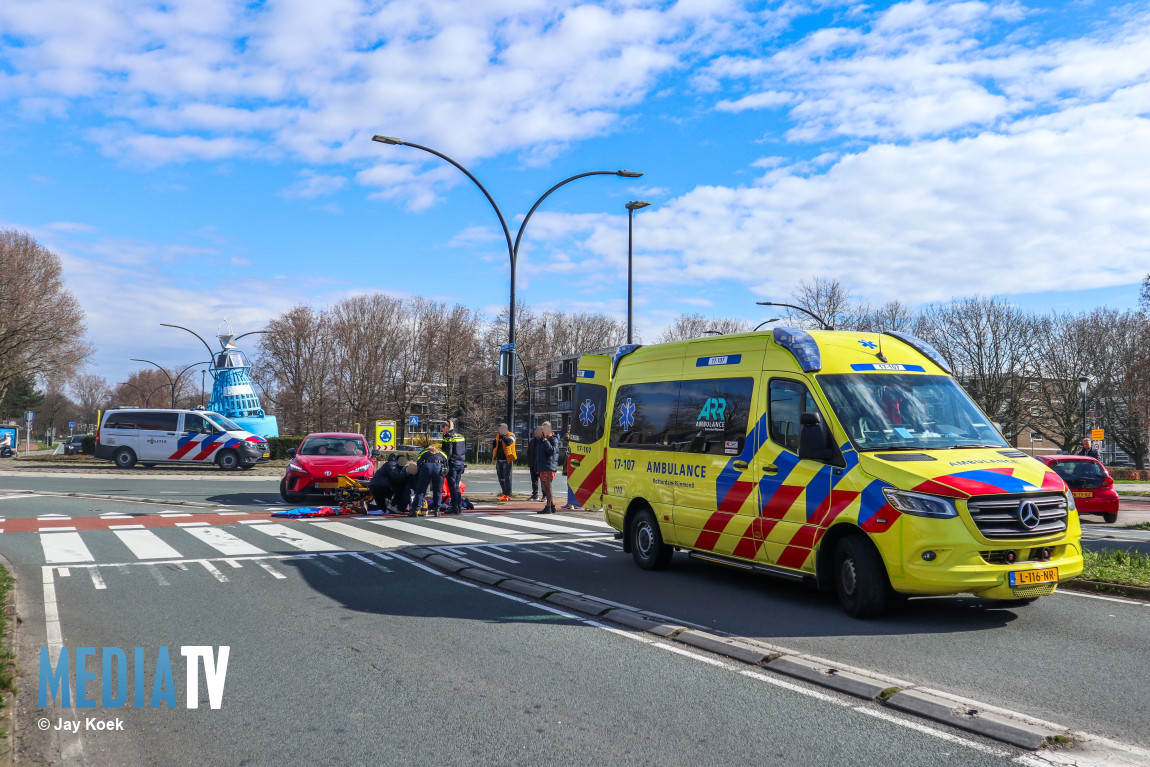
x,y
860,578
647,546
124,458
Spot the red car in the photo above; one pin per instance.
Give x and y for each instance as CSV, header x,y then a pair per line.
x,y
1091,484
319,461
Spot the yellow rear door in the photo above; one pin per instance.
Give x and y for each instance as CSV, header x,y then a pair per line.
x,y
588,437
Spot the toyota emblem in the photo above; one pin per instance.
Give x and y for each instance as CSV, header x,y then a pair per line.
x,y
1028,514
328,474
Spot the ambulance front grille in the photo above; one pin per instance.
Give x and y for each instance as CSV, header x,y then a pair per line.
x,y
997,516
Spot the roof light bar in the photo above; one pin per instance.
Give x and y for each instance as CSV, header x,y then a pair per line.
x,y
922,347
801,344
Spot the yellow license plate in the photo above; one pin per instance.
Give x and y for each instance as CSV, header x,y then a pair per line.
x,y
267,455
1032,577
1083,494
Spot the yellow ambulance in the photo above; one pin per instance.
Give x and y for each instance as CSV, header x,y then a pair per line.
x,y
851,461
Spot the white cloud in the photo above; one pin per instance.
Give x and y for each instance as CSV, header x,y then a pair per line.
x,y
70,226
313,184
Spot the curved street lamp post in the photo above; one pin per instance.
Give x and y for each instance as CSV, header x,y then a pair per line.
x,y
172,383
821,321
146,397
512,247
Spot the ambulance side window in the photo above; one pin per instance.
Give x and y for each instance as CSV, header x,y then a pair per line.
x,y
712,416
642,415
588,412
789,399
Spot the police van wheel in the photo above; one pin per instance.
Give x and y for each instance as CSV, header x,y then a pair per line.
x,y
228,460
860,578
647,545
124,458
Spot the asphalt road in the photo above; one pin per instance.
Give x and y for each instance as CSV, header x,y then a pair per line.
x,y
366,658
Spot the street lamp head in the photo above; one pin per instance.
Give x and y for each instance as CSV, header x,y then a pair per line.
x,y
387,139
637,204
628,173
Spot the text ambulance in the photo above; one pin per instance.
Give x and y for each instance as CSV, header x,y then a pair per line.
x,y
852,461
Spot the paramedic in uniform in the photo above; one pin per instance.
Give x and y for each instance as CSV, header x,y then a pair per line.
x,y
456,454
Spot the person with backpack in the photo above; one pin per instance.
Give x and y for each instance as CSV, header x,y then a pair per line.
x,y
547,464
532,449
503,450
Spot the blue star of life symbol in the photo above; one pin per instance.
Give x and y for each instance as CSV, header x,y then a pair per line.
x,y
587,413
627,414
869,344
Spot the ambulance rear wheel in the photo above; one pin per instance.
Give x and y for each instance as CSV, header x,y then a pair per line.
x,y
860,578
228,460
647,545
124,458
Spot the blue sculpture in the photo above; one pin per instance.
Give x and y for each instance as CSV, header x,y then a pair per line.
x,y
233,394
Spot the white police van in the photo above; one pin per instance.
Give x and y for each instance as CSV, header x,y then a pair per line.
x,y
150,436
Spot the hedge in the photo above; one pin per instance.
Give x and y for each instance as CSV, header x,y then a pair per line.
x,y
1122,472
278,446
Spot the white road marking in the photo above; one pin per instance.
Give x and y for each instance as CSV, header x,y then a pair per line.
x,y
125,527
97,579
582,521
174,514
17,495
160,579
537,525
316,561
46,517
484,550
224,542
359,534
274,572
64,547
928,730
1099,596
295,538
64,572
145,544
55,529
572,547
232,513
191,524
214,571
367,561
476,527
427,532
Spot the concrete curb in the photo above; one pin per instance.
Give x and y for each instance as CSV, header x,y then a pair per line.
x,y
972,717
732,648
866,687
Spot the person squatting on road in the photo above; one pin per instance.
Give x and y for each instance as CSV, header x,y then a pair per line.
x,y
532,449
431,469
1090,449
455,451
503,451
547,464
381,484
404,481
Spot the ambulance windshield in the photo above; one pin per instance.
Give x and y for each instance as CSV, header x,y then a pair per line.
x,y
899,411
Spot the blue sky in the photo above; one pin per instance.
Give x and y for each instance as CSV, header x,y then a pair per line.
x,y
195,160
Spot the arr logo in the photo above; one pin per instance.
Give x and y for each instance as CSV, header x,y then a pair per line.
x,y
715,409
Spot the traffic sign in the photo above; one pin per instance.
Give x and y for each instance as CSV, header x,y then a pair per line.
x,y
71,424
1097,435
29,416
413,420
385,435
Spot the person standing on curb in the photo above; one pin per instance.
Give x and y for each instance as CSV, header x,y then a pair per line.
x,y
503,450
454,450
532,449
547,464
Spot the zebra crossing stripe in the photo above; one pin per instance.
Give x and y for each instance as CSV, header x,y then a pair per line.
x,y
223,542
294,538
428,532
364,536
64,547
145,544
476,527
596,523
536,525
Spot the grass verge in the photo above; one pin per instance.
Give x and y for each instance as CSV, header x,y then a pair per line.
x,y
1128,568
7,656
1137,526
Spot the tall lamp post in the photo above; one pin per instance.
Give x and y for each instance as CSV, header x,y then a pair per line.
x,y
1082,380
512,247
632,206
172,383
147,397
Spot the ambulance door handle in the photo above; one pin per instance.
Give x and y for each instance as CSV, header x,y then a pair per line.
x,y
770,468
740,465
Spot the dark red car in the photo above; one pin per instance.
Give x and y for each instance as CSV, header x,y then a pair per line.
x,y
1088,480
319,461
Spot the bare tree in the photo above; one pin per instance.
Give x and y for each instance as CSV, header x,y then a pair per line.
x,y
1120,377
90,393
41,322
989,343
687,326
1062,345
831,301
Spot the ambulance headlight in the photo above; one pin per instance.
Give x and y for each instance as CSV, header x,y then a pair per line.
x,y
919,504
1070,501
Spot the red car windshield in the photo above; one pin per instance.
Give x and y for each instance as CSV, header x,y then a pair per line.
x,y
1080,475
331,446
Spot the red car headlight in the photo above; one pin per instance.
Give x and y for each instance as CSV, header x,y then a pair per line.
x,y
295,468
